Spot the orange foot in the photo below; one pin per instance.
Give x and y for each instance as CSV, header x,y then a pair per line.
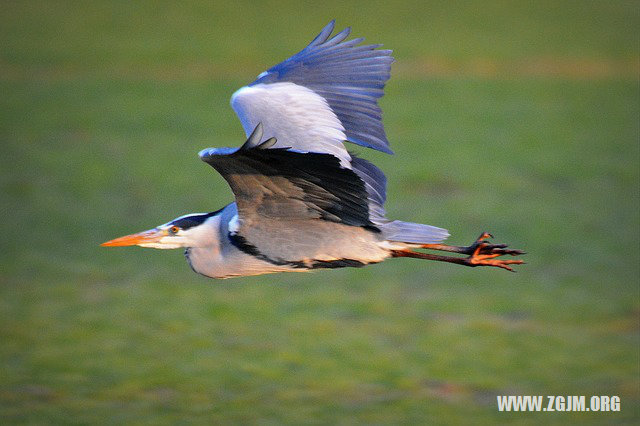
x,y
485,254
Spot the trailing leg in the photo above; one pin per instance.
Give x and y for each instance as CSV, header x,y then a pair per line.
x,y
480,253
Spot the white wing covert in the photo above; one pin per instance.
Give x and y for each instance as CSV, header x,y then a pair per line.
x,y
320,97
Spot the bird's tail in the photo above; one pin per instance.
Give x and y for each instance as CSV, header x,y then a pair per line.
x,y
413,233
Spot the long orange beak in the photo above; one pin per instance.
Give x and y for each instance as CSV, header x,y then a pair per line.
x,y
146,237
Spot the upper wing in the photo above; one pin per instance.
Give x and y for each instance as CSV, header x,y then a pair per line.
x,y
284,185
320,97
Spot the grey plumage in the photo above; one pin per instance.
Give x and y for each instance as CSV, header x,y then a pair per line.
x,y
302,201
349,77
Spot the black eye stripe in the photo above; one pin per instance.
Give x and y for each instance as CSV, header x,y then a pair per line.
x,y
193,220
187,222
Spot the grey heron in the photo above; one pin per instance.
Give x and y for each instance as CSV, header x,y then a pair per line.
x,y
302,201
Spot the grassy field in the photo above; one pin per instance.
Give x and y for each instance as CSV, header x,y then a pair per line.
x,y
520,118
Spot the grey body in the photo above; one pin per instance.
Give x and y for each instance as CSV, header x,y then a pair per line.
x,y
297,211
286,246
302,201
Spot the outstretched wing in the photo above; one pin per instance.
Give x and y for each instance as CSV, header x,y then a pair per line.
x,y
276,184
320,97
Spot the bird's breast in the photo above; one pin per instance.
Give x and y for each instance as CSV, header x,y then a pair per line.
x,y
213,263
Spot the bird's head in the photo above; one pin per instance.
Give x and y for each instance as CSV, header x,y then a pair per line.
x,y
191,230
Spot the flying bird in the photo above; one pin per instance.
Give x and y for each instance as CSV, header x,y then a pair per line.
x,y
302,200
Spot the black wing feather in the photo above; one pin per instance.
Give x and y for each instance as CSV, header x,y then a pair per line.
x,y
284,184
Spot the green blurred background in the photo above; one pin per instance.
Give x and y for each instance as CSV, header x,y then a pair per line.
x,y
520,118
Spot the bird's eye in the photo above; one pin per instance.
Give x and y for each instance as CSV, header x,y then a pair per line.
x,y
174,230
